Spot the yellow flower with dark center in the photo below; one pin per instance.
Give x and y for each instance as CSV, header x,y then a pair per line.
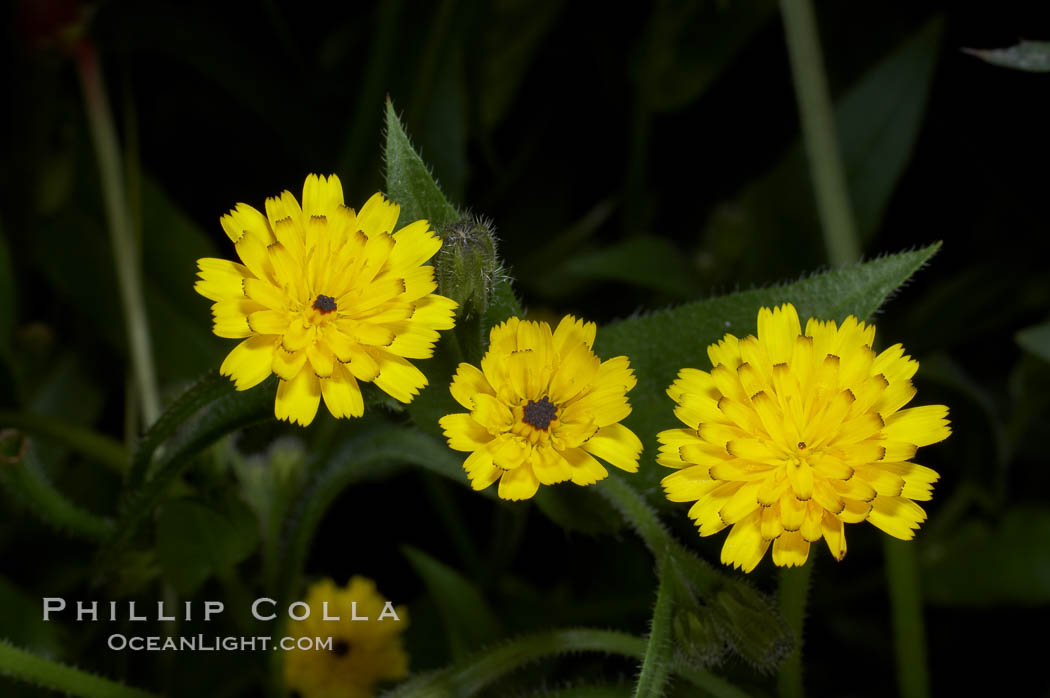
x,y
791,436
362,653
326,297
541,408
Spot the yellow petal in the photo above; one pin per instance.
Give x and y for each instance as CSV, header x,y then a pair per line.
x,y
778,329
490,412
221,279
745,546
790,550
341,393
691,381
706,510
549,466
585,470
323,363
725,352
617,445
288,364
246,220
834,532
520,483
897,516
480,470
921,426
435,312
268,321
688,484
265,293
283,206
298,398
572,331
321,195
397,377
249,362
463,433
416,243
467,382
231,317
509,451
378,216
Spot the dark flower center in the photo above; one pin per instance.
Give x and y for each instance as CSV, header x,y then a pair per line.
x,y
325,304
340,648
539,413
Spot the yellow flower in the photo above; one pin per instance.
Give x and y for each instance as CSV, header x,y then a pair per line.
x,y
541,407
363,653
326,297
790,436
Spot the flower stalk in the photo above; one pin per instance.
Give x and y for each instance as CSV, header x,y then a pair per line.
x,y
126,250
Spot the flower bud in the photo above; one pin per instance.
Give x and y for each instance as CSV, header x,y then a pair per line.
x,y
697,640
466,267
752,627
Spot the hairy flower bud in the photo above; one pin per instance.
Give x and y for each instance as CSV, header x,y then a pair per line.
x,y
467,267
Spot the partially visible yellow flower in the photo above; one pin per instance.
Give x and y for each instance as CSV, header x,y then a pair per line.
x,y
541,407
363,652
791,436
326,297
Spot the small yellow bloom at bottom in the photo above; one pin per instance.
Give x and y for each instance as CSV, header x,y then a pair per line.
x,y
792,435
362,652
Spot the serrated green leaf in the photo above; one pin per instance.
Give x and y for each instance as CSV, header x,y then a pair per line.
x,y
661,343
1029,56
1036,340
195,540
990,565
408,180
469,621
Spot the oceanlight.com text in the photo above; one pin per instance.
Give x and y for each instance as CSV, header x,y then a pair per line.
x,y
214,643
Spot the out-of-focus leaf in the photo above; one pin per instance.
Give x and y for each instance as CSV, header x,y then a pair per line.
x,y
690,42
1030,56
645,261
469,622
661,343
195,540
514,31
1036,340
990,565
578,509
22,621
179,319
7,297
877,122
444,134
408,180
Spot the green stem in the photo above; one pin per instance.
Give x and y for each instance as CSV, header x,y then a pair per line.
x,y
95,446
902,572
30,485
656,665
30,668
818,130
121,230
794,588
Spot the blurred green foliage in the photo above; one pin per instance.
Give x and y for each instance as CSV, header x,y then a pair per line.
x,y
655,161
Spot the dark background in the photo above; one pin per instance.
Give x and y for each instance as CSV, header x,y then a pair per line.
x,y
630,159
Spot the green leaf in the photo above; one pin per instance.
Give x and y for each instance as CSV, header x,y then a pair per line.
x,y
469,621
877,122
29,486
195,540
408,180
222,415
1030,56
689,44
1036,340
45,673
990,565
662,343
644,261
579,509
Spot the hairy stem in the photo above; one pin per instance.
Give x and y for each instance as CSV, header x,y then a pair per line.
x,y
95,446
657,662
